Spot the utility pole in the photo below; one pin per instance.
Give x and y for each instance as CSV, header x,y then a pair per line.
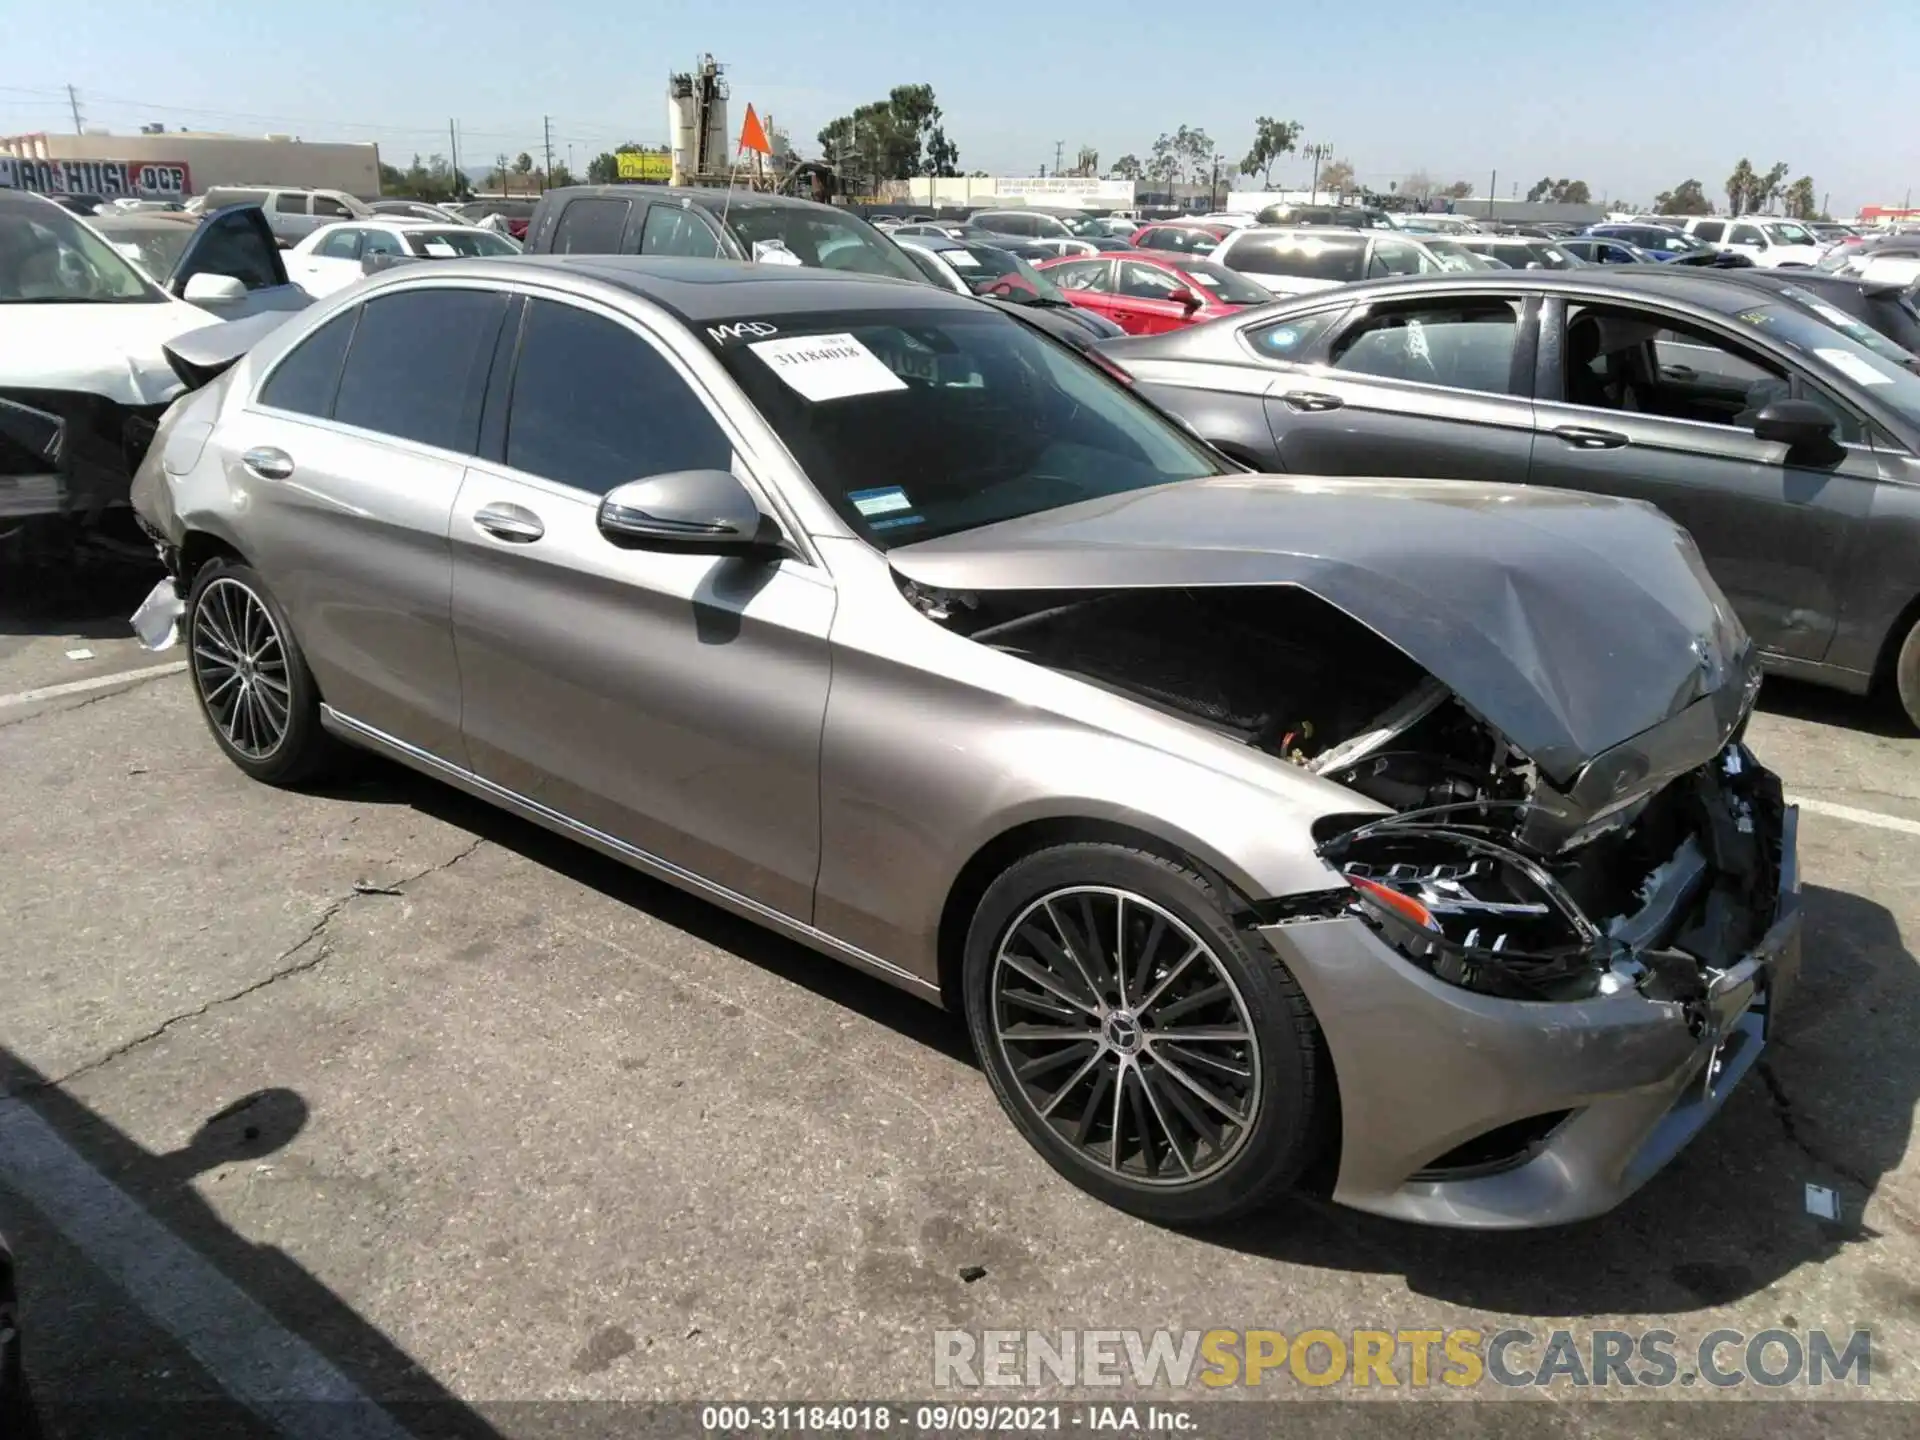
x,y
1059,148
73,103
546,130
1213,185
1493,188
453,145
1318,153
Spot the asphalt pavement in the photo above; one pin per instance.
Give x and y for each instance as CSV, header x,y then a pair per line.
x,y
376,1094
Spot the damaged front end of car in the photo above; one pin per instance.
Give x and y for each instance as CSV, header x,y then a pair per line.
x,y
67,459
1561,910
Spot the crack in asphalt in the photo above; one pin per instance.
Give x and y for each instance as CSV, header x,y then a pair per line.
x,y
314,938
59,709
1790,1127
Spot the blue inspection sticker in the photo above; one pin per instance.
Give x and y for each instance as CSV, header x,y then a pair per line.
x,y
879,502
897,521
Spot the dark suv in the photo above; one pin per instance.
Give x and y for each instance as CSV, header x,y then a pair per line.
x,y
674,220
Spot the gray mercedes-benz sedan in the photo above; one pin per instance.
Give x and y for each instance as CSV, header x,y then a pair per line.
x,y
1396,837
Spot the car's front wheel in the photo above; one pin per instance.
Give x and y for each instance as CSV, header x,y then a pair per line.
x,y
250,677
1153,1053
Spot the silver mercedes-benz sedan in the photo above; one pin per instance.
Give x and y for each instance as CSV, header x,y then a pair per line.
x,y
1391,836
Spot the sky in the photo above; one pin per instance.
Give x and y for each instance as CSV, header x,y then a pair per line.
x,y
1631,96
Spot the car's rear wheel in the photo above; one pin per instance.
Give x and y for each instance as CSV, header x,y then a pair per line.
x,y
1153,1053
250,677
1906,675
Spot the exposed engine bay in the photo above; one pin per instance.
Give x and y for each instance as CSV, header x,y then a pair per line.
x,y
67,459
1661,891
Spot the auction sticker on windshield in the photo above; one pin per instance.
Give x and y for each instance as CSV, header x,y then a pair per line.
x,y
827,367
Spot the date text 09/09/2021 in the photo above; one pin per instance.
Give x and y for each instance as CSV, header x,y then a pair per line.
x,y
939,1419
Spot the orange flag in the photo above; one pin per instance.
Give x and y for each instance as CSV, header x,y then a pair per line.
x,y
752,136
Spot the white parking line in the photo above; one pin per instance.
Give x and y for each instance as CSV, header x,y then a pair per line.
x,y
248,1353
1857,816
98,682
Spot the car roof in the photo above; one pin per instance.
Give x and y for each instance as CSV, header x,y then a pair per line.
x,y
697,291
732,201
156,220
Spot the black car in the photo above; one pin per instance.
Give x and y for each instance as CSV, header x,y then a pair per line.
x,y
710,224
1787,447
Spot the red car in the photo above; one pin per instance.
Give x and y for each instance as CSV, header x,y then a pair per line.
x,y
1188,237
1146,292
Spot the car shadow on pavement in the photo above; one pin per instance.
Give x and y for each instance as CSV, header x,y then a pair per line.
x,y
1831,1102
379,781
1875,714
91,599
97,1278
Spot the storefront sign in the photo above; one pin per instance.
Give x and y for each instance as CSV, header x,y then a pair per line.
x,y
644,165
146,179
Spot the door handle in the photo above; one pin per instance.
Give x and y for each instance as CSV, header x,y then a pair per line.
x,y
1311,400
509,522
268,463
1679,372
1583,438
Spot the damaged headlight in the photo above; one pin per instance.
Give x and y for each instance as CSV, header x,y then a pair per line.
x,y
1469,909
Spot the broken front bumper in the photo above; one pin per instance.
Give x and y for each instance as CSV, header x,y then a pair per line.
x,y
1594,1096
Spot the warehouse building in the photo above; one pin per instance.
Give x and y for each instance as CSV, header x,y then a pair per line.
x,y
169,165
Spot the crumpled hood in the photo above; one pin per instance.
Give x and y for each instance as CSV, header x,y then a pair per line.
x,y
1571,622
112,350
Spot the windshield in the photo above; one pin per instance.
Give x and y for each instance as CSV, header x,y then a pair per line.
x,y
922,422
1223,285
156,249
1682,242
1339,258
49,258
446,244
1851,326
1086,225
820,238
989,270
1552,257
1834,351
1782,232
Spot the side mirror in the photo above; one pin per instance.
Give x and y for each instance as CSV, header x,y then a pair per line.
x,y
1185,299
209,289
1795,423
701,511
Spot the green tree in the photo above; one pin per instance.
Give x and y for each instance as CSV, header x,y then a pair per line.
x,y
1418,185
892,139
523,164
1336,177
1743,187
1185,154
1128,167
1271,139
1458,190
1559,192
1800,200
1771,186
1686,198
603,169
559,175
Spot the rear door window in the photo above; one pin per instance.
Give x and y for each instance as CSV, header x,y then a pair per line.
x,y
595,406
591,227
290,202
417,369
671,230
1710,230
1464,344
305,381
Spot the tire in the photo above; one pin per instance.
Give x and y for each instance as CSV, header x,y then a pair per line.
x,y
1906,676
270,684
1056,903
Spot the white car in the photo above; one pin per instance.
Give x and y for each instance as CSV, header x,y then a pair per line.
x,y
83,380
1765,239
335,256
